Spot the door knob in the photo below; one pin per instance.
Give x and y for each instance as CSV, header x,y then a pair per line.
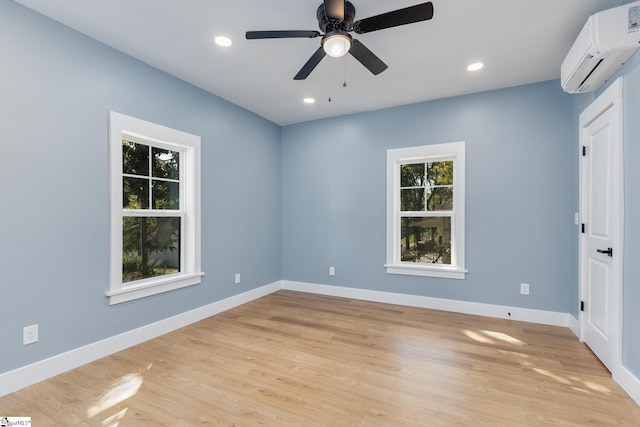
x,y
608,251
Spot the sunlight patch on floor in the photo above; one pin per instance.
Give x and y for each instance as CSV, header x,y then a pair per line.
x,y
551,375
590,386
478,337
490,337
504,337
121,389
581,390
597,387
114,420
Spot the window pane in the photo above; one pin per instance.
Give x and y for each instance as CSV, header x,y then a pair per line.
x,y
440,199
166,195
150,247
440,173
135,158
412,199
412,175
425,240
135,193
166,163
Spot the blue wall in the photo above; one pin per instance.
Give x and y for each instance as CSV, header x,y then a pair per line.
x,y
519,196
56,90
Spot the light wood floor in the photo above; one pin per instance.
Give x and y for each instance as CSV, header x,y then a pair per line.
x,y
294,359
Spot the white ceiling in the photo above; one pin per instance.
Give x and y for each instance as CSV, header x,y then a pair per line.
x,y
519,41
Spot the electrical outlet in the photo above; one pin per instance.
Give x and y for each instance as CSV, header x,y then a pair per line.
x,y
524,288
237,278
332,271
29,334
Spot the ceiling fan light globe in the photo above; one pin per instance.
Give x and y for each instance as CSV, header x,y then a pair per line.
x,y
336,45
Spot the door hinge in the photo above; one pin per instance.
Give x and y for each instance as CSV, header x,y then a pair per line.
x,y
583,227
584,150
581,305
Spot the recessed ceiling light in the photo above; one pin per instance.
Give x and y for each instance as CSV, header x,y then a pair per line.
x,y
309,100
475,66
223,41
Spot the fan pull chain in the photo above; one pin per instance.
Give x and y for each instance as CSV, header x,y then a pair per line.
x,y
344,81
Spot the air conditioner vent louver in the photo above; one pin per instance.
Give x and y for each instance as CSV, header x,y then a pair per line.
x,y
583,83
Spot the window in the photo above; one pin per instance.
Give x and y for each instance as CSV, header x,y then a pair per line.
x,y
425,210
155,208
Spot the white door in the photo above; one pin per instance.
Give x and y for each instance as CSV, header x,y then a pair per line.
x,y
601,216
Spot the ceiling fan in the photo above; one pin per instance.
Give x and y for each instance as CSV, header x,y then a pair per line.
x,y
335,19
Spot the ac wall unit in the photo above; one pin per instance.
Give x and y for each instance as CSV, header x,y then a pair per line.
x,y
606,41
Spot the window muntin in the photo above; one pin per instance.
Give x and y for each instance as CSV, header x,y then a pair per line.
x,y
155,208
425,218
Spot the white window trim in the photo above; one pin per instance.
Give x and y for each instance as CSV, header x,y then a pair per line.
x,y
397,156
122,127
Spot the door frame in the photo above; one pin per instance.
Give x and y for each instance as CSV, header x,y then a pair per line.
x,y
610,99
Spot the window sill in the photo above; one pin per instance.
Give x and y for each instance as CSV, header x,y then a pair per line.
x,y
421,270
153,286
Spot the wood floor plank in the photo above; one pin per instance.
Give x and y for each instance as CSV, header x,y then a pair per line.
x,y
296,359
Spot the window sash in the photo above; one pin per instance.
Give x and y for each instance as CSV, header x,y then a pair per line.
x,y
398,232
155,255
163,214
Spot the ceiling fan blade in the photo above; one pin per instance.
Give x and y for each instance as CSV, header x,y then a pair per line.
x,y
252,35
334,9
310,65
408,15
367,58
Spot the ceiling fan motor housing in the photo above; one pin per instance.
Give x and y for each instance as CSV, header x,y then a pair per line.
x,y
327,25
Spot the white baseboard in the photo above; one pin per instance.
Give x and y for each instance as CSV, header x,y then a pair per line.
x,y
27,375
574,325
489,310
629,383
